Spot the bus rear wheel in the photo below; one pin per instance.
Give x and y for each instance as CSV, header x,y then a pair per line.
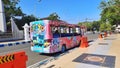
x,y
63,49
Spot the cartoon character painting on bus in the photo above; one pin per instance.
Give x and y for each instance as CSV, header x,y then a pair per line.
x,y
55,45
37,32
44,40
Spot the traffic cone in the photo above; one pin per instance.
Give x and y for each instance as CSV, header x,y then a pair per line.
x,y
100,36
110,33
84,42
105,34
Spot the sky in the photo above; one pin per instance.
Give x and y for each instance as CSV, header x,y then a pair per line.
x,y
71,11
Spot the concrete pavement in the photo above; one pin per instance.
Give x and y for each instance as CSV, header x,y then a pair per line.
x,y
115,51
102,53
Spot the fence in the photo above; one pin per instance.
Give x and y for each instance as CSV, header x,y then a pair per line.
x,y
9,36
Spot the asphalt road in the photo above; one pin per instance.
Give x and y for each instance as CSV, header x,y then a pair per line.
x,y
32,56
92,36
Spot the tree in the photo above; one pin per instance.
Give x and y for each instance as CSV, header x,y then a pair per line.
x,y
102,27
25,19
91,25
108,25
96,25
11,10
110,11
87,24
105,27
53,16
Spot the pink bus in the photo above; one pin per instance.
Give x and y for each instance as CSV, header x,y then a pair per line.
x,y
53,36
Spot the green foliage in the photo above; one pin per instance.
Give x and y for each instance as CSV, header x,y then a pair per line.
x,y
53,16
80,23
110,11
108,27
102,27
96,25
91,25
87,24
11,9
105,27
25,19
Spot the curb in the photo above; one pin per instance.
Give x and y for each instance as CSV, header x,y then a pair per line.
x,y
14,43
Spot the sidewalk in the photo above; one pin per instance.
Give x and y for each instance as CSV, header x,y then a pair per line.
x,y
115,51
104,53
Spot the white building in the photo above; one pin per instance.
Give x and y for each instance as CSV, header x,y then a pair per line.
x,y
117,29
2,18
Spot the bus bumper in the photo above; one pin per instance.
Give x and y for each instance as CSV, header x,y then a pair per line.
x,y
40,49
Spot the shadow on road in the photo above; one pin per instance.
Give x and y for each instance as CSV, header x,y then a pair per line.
x,y
90,41
59,53
51,54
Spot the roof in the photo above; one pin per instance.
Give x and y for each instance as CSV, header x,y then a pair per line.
x,y
62,23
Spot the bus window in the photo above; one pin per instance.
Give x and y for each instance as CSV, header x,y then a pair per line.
x,y
77,30
67,29
52,29
71,30
58,29
61,30
74,30
55,32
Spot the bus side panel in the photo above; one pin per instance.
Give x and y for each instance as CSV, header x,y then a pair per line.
x,y
57,43
78,39
67,41
70,41
75,39
54,46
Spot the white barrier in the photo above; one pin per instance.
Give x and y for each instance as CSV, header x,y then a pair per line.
x,y
17,34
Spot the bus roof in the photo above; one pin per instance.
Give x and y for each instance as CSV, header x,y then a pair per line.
x,y
58,23
61,23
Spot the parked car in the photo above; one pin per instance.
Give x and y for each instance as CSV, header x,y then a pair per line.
x,y
117,29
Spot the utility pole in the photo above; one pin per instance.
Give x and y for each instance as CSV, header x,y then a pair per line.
x,y
86,19
35,7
